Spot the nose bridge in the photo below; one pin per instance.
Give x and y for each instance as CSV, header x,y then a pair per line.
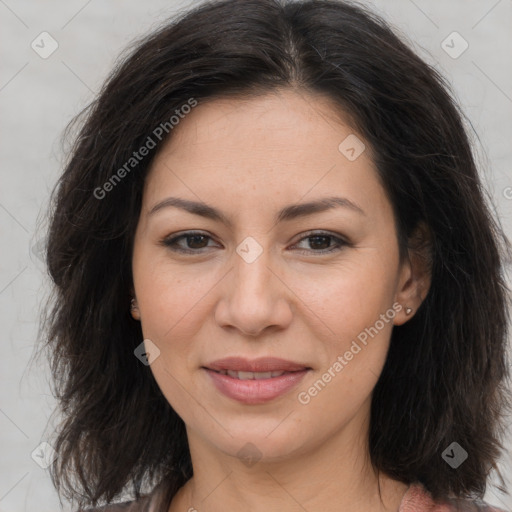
x,y
252,276
254,298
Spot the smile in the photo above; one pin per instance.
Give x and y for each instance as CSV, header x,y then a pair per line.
x,y
252,375
257,381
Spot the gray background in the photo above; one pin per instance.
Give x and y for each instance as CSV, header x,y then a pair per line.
x,y
39,96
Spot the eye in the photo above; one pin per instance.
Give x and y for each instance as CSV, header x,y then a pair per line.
x,y
321,242
194,241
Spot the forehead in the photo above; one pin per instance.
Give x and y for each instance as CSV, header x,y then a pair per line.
x,y
271,122
278,145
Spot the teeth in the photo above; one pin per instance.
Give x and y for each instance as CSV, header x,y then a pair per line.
x,y
252,375
263,375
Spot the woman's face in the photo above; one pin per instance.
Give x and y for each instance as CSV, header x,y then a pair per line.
x,y
312,291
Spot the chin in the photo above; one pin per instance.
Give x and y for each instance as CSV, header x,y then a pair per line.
x,y
268,440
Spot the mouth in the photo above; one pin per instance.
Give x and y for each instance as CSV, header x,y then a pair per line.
x,y
252,375
255,381
258,367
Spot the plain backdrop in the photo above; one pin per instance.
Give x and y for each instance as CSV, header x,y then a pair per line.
x,y
38,96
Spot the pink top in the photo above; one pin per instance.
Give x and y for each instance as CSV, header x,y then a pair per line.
x,y
416,499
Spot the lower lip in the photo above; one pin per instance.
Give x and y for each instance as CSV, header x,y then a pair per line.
x,y
257,391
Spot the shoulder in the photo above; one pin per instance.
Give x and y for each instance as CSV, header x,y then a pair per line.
x,y
152,502
141,505
418,499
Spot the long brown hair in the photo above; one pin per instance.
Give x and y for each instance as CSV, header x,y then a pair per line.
x,y
445,375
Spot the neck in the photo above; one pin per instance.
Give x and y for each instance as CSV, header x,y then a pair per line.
x,y
333,475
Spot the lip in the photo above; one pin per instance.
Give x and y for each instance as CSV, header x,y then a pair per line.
x,y
262,364
257,391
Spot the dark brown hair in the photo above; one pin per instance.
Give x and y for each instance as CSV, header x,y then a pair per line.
x,y
445,376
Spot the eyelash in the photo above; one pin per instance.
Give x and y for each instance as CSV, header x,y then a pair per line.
x,y
171,242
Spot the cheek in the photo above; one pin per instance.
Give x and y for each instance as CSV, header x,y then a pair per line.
x,y
348,303
173,306
359,322
171,299
349,297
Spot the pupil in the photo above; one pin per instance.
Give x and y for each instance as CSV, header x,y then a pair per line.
x,y
195,239
315,242
314,239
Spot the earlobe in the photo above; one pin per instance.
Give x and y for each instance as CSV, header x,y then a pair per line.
x,y
134,309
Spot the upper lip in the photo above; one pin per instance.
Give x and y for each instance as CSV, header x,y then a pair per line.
x,y
262,364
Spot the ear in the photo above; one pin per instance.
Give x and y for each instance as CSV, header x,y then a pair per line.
x,y
415,273
134,308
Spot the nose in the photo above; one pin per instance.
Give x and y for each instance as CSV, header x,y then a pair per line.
x,y
254,298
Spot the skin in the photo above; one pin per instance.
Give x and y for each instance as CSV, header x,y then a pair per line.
x,y
249,158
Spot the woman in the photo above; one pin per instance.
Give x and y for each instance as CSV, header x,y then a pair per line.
x,y
278,284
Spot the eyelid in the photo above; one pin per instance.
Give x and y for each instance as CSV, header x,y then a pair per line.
x,y
172,239
339,241
323,232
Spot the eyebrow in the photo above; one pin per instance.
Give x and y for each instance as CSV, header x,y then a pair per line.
x,y
289,212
